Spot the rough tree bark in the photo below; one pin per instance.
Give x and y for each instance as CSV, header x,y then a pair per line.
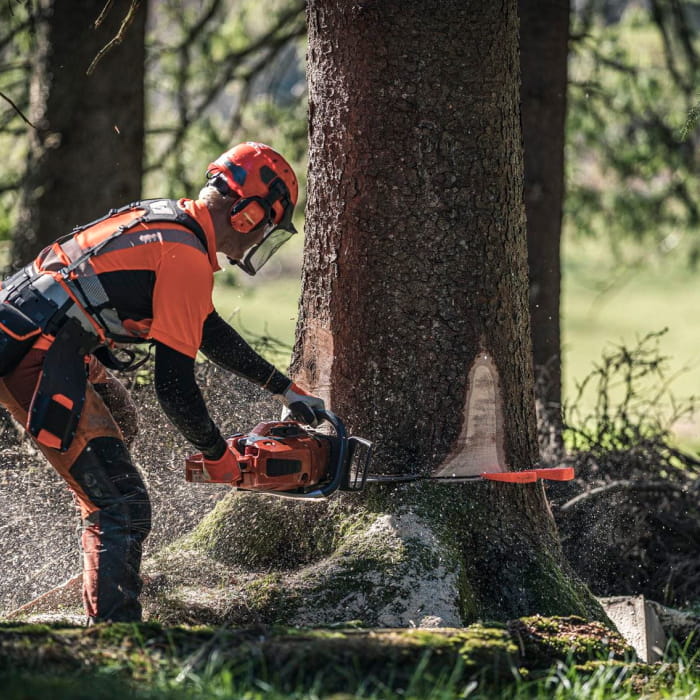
x,y
414,327
544,34
85,154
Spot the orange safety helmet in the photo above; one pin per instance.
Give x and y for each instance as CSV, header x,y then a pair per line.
x,y
267,190
252,170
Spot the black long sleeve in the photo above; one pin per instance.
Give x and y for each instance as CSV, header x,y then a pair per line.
x,y
182,401
224,346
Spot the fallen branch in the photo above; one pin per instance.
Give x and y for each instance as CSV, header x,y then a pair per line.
x,y
623,485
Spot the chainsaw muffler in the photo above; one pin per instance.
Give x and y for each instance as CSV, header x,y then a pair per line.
x,y
288,459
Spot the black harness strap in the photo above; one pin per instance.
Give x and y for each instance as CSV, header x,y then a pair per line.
x,y
156,211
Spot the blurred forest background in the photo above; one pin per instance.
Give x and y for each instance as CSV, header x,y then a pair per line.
x,y
217,73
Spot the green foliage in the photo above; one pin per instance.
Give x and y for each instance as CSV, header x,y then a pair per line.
x,y
692,120
633,405
631,164
16,42
211,74
215,75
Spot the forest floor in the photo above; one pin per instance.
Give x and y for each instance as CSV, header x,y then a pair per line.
x,y
327,660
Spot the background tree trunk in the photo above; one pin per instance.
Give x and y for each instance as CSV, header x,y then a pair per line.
x,y
86,152
544,34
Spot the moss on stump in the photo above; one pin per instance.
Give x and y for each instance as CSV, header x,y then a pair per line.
x,y
420,554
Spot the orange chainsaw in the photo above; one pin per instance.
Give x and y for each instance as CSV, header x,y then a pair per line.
x,y
287,458
290,459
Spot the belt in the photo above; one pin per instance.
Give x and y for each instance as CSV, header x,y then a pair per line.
x,y
48,304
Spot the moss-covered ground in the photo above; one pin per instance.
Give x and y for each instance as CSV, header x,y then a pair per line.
x,y
329,660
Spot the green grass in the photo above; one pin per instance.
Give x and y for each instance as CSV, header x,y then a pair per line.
x,y
605,304
265,305
598,681
268,309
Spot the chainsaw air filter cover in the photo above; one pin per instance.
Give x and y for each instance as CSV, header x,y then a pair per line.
x,y
281,456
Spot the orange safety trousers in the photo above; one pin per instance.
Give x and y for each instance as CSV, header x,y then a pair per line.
x,y
110,493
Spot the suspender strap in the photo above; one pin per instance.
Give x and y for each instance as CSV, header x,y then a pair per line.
x,y
88,288
155,211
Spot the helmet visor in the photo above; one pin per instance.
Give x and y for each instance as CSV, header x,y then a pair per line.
x,y
259,254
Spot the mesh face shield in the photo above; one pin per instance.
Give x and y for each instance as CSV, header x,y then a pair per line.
x,y
248,211
259,254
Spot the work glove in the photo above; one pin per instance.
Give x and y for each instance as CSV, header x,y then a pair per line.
x,y
300,405
224,470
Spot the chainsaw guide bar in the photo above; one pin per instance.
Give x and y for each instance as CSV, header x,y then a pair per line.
x,y
526,476
291,460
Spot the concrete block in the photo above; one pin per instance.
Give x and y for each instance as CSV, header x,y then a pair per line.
x,y
637,621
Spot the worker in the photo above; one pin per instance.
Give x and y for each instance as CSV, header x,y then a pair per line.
x,y
141,274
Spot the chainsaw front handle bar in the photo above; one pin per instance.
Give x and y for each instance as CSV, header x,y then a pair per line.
x,y
337,477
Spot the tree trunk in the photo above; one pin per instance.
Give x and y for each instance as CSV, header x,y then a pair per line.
x,y
415,259
414,327
544,34
85,154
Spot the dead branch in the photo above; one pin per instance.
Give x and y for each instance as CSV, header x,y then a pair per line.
x,y
16,109
103,14
119,37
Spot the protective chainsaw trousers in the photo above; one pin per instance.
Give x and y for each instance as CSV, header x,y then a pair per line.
x,y
112,497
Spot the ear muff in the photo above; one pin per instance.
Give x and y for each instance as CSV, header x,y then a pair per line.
x,y
250,213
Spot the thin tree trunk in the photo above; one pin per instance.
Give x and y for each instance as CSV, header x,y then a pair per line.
x,y
86,152
544,33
